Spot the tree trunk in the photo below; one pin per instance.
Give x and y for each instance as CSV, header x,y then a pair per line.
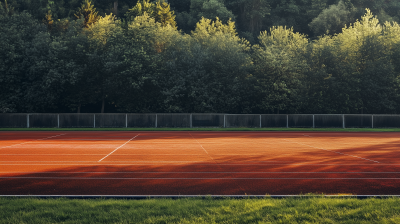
x,y
79,109
116,7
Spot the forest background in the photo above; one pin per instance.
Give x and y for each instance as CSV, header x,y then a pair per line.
x,y
200,56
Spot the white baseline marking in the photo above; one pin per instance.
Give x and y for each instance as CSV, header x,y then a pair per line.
x,y
39,154
198,178
95,139
139,172
180,163
333,151
118,147
204,149
200,145
55,154
32,141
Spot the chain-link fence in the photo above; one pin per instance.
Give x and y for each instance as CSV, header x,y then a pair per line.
x,y
118,120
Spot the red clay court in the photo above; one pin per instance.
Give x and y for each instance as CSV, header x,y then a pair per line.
x,y
199,163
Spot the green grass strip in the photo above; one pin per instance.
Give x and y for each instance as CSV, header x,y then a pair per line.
x,y
210,129
192,210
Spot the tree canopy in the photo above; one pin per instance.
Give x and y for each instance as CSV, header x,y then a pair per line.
x,y
256,56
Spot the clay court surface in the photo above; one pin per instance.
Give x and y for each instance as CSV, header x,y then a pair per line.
x,y
199,163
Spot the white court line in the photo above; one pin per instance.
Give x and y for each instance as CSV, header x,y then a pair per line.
x,y
201,178
204,149
194,162
118,147
200,145
38,154
190,163
32,141
53,154
210,155
96,139
150,154
140,172
333,151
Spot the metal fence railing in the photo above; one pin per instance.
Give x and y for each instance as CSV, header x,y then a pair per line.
x,y
119,120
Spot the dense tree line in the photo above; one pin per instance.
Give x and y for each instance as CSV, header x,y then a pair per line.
x,y
253,56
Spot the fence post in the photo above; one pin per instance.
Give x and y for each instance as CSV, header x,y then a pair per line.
x,y
156,120
372,123
343,121
58,120
313,121
126,120
224,121
287,120
191,121
260,120
94,120
27,121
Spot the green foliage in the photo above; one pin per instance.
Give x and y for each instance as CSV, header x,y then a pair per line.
x,y
116,7
252,15
211,9
354,68
290,13
103,81
206,28
48,20
88,13
144,64
72,48
331,20
32,74
160,11
140,8
100,32
164,15
279,69
6,10
180,5
207,71
186,21
133,63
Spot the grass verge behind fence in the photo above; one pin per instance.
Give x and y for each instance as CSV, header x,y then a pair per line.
x,y
193,210
210,129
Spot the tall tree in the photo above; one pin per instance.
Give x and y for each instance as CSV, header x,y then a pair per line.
x,y
32,75
48,20
160,11
355,69
5,9
279,65
331,20
132,62
210,72
99,57
88,12
209,9
252,14
164,15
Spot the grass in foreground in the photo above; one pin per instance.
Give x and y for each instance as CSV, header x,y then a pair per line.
x,y
192,210
210,129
